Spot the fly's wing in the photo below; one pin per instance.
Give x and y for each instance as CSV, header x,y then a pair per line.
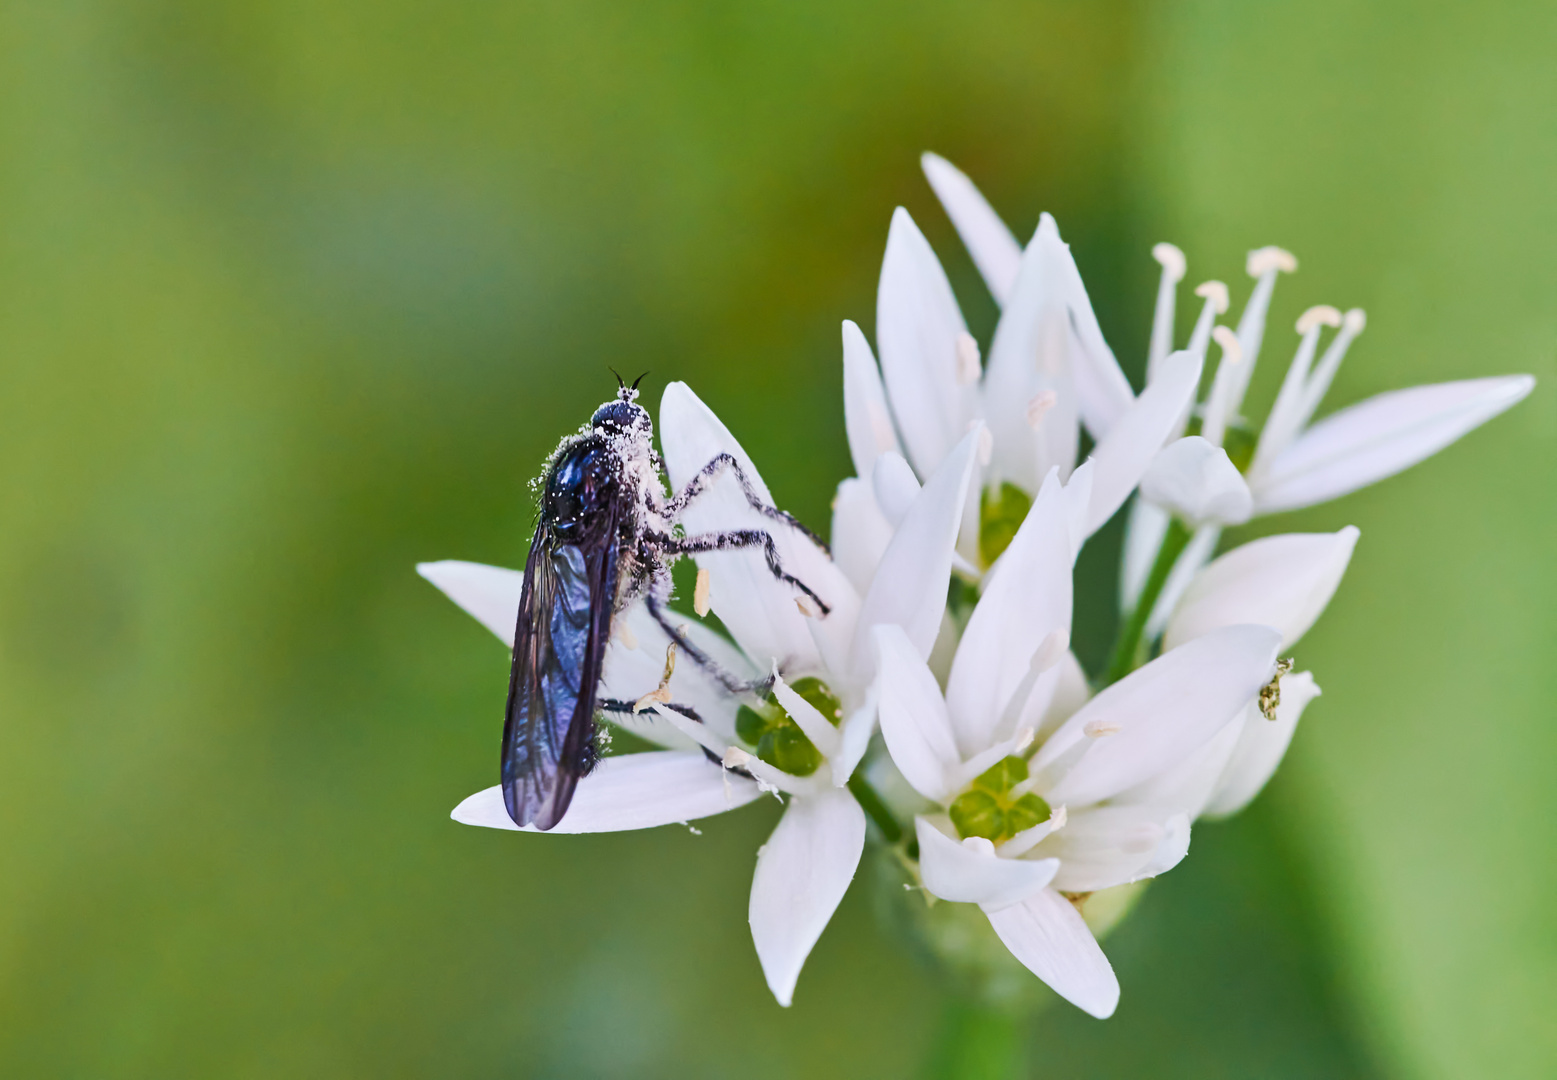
x,y
559,644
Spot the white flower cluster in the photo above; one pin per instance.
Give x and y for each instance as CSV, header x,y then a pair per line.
x,y
1001,774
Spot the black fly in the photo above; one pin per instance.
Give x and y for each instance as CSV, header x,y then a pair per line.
x,y
606,537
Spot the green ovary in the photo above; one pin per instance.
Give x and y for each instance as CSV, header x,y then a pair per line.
x,y
1001,512
988,808
777,738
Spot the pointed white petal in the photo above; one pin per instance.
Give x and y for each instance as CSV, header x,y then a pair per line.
x,y
918,325
855,733
1047,934
1030,356
816,727
914,722
1026,598
1190,785
1379,437
490,593
1261,746
895,486
1104,846
973,873
1078,508
1160,714
1195,481
1172,850
860,534
1102,390
909,588
995,251
866,417
802,873
1122,457
634,791
759,611
1280,581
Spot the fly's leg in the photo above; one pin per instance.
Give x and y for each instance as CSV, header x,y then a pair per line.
x,y
732,684
710,472
614,705
734,540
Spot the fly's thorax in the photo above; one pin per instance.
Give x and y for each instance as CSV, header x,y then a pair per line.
x,y
582,485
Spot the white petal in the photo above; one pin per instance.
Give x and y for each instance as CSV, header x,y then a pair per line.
x,y
860,534
1280,581
633,791
759,611
995,251
802,873
1078,509
1047,934
895,486
1172,850
1160,714
1261,747
917,327
1031,354
490,593
628,674
972,875
1121,458
866,417
1195,481
1379,437
855,733
909,588
914,722
1102,390
1026,598
1190,785
1105,846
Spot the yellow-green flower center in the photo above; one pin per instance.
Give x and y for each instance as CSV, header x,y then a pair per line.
x,y
990,809
1001,512
775,735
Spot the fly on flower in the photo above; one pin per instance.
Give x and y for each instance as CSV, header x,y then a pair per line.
x,y
607,536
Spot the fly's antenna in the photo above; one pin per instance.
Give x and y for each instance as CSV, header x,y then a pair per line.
x,y
621,384
640,379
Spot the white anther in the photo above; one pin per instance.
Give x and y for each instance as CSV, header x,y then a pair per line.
x,y
700,592
660,696
1356,319
807,608
1172,260
1097,729
735,758
1270,258
1024,739
1232,351
1049,650
1320,315
1215,292
982,845
1057,818
968,369
1041,403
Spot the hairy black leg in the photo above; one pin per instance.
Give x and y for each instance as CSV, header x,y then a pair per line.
x,y
615,705
706,476
733,540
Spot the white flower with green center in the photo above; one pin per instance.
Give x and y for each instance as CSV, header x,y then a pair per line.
x,y
1039,800
804,739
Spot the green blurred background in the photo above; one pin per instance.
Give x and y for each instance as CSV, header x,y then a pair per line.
x,y
294,295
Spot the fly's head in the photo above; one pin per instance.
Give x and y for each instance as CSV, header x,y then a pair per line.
x,y
627,426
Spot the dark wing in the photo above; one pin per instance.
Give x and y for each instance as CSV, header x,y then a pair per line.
x,y
559,644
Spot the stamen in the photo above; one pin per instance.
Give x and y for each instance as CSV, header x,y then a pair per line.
x,y
1097,729
1049,651
1173,269
1352,324
986,442
807,608
700,592
1266,259
981,844
1041,403
1320,315
661,694
1216,293
968,369
1220,408
1027,839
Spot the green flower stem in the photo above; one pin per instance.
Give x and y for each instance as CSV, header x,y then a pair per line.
x,y
1127,648
875,808
977,1042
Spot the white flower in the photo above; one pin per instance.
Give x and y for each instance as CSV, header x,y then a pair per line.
x,y
806,865
1082,814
